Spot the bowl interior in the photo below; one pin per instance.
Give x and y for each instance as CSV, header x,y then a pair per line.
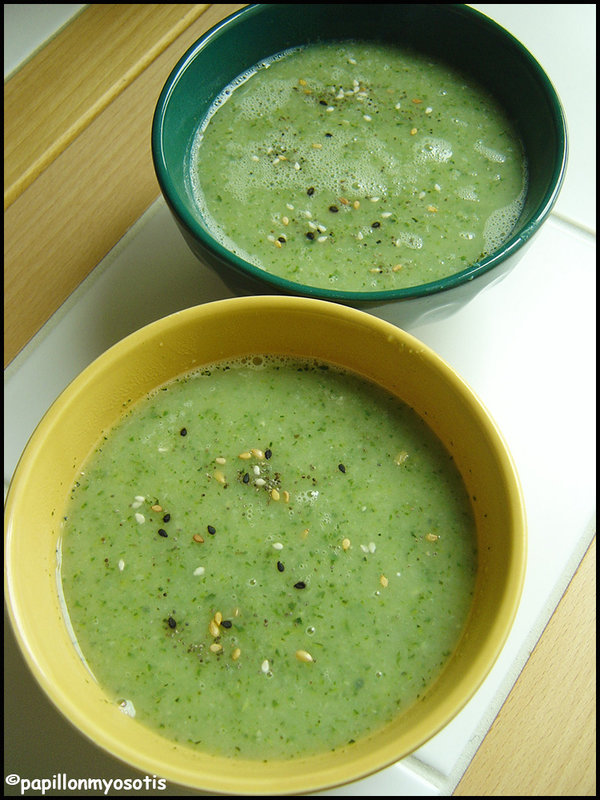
x,y
457,34
177,344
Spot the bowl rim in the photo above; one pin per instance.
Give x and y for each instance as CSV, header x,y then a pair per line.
x,y
123,349
515,242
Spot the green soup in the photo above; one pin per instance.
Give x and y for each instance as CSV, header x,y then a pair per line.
x,y
268,558
357,167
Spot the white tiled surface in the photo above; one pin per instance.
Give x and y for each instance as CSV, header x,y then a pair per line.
x,y
526,345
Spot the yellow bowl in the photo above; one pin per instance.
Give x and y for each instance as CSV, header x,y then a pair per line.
x,y
94,401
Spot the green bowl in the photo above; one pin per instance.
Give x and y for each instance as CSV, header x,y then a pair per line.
x,y
456,34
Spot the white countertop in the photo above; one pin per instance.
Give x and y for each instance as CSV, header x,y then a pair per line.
x,y
526,345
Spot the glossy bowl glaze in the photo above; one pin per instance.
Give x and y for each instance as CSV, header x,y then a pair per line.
x,y
184,341
456,34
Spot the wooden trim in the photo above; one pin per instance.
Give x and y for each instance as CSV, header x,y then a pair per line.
x,y
543,741
94,176
64,87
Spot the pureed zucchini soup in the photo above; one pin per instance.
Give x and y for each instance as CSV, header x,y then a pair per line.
x,y
268,558
358,167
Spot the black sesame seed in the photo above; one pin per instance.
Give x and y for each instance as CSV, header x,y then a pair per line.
x,y
183,432
268,453
300,585
310,235
323,102
246,478
280,566
166,517
281,239
172,623
162,532
310,191
226,623
211,529
376,224
341,468
334,209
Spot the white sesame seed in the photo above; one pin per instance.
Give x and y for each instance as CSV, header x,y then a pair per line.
x,y
140,517
374,199
276,160
428,110
289,205
330,108
260,482
285,220
296,166
367,118
398,105
352,61
321,238
221,460
139,498
163,449
386,214
437,187
256,469
136,504
277,546
264,666
371,547
199,571
364,548
255,158
121,565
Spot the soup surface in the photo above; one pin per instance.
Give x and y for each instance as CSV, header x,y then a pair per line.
x,y
357,167
268,558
